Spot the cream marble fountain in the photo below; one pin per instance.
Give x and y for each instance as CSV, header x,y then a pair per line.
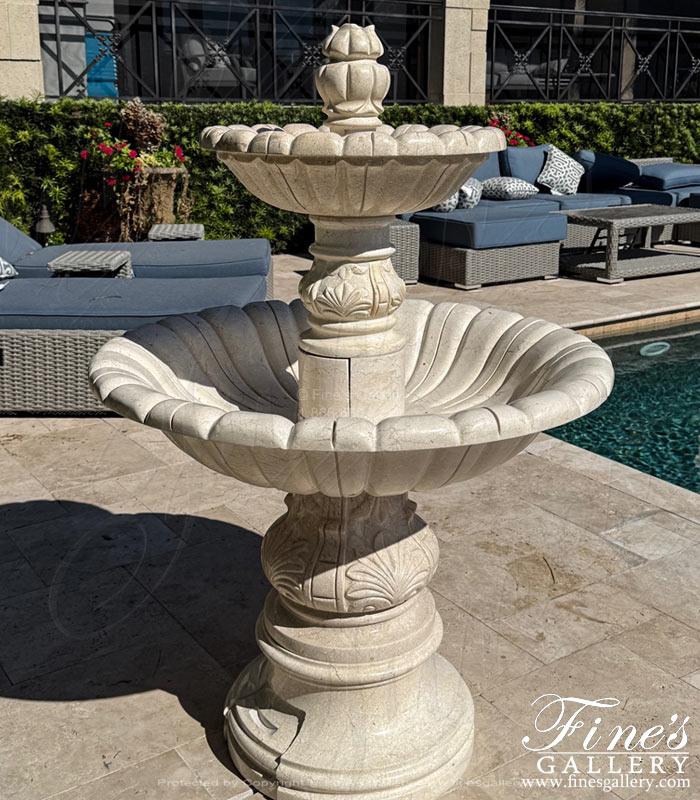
x,y
348,399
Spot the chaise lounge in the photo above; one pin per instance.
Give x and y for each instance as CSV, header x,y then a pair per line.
x,y
50,327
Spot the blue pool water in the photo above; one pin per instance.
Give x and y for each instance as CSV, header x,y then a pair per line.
x,y
652,419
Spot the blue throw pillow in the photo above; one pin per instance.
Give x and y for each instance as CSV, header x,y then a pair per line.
x,y
525,163
669,176
489,169
605,173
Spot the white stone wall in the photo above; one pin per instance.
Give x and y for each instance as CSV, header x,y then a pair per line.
x,y
20,54
464,52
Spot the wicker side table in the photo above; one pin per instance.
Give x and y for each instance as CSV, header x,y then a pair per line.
x,y
181,232
405,237
92,263
646,162
615,265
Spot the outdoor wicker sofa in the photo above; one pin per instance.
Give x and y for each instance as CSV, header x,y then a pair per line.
x,y
508,240
496,241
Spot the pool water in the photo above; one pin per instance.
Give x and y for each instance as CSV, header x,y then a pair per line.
x,y
652,419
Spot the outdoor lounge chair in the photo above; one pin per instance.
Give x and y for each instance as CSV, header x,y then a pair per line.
x,y
177,259
50,327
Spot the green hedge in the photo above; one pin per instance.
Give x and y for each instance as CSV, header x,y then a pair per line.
x,y
40,143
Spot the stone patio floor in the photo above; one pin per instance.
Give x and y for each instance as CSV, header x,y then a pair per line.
x,y
130,582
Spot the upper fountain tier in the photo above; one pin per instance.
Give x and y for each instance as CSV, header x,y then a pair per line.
x,y
337,169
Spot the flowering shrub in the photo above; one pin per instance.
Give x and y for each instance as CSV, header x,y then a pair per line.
x,y
128,165
40,162
119,162
513,138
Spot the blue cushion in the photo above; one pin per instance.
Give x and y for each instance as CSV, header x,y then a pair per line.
x,y
489,169
605,173
671,197
694,200
14,243
116,304
529,202
669,176
523,162
217,258
585,200
483,227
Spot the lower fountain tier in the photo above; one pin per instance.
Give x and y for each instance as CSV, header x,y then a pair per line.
x,y
301,727
223,385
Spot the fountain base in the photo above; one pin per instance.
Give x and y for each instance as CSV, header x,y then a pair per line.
x,y
350,707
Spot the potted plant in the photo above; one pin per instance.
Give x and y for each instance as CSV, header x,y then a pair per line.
x,y
143,179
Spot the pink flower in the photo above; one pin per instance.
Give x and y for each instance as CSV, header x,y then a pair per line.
x,y
125,177
111,182
178,153
108,124
132,153
84,154
137,169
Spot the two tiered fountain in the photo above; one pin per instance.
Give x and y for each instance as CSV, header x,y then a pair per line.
x,y
347,400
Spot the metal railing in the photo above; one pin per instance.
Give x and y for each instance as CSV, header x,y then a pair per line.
x,y
583,56
199,50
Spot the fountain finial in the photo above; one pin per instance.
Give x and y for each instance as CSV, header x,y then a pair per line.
x,y
353,85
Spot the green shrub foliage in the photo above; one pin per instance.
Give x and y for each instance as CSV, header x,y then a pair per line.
x,y
41,143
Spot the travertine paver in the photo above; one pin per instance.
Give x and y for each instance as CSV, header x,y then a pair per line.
x,y
146,672
563,625
565,301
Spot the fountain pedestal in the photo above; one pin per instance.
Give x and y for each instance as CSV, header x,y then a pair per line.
x,y
349,698
347,401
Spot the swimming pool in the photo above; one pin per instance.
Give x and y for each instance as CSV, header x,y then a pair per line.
x,y
652,420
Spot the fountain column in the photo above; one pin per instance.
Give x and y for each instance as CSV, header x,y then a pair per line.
x,y
350,359
349,699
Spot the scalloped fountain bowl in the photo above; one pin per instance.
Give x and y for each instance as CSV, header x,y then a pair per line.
x,y
480,384
315,171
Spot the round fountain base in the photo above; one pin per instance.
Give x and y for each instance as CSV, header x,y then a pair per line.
x,y
383,743
350,705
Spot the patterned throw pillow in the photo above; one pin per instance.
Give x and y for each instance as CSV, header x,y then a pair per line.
x,y
507,189
447,205
469,194
561,174
7,270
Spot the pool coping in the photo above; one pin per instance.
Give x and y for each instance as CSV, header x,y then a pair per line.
x,y
638,321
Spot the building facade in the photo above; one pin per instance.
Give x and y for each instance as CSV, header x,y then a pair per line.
x,y
447,51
